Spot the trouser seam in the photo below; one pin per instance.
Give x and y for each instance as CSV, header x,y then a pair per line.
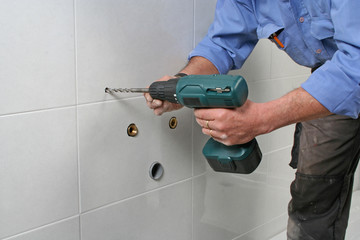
x,y
348,177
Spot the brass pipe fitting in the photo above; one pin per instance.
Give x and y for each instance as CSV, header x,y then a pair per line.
x,y
173,122
132,130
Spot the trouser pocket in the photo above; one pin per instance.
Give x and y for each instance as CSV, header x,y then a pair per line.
x,y
314,207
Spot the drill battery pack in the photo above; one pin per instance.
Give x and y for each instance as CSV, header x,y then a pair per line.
x,y
244,158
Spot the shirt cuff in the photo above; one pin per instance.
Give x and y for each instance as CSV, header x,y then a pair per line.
x,y
215,54
334,90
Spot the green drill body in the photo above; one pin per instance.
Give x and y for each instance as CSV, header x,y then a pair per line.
x,y
210,91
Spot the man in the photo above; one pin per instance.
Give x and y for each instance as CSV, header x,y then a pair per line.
x,y
323,35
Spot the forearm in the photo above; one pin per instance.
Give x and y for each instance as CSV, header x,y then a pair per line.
x,y
296,106
199,65
240,125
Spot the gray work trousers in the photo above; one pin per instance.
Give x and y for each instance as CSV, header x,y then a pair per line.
x,y
326,153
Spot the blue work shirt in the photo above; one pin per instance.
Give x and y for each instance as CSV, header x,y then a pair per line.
x,y
321,32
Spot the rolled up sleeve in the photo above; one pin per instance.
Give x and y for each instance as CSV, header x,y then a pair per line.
x,y
231,37
336,84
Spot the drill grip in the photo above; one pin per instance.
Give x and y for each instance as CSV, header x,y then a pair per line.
x,y
164,90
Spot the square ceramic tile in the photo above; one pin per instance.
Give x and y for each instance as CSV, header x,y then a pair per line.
x,y
278,139
160,214
64,230
130,43
283,66
267,230
278,167
204,16
263,91
258,65
38,169
280,236
353,232
37,60
298,80
229,205
114,165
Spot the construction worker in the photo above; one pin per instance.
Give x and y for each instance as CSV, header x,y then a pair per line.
x,y
323,35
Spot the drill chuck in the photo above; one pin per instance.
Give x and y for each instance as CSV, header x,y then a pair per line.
x,y
164,90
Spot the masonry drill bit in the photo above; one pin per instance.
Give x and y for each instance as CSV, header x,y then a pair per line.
x,y
127,90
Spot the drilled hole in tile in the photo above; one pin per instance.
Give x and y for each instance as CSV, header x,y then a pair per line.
x,y
156,171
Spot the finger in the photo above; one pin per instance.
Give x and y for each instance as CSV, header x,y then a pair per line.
x,y
148,98
206,123
205,114
154,104
215,134
164,107
149,101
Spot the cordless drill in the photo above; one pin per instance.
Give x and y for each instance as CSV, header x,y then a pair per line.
x,y
210,91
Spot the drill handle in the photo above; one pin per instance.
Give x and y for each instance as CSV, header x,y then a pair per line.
x,y
241,158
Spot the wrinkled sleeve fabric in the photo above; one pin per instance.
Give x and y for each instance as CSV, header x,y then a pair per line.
x,y
231,37
336,84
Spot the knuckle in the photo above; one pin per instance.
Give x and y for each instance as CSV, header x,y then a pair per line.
x,y
221,113
164,78
221,126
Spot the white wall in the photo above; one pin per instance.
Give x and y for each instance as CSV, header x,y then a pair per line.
x,y
68,169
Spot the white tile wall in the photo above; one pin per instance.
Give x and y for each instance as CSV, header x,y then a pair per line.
x,y
204,15
162,214
68,169
38,169
129,43
229,205
258,66
37,68
115,166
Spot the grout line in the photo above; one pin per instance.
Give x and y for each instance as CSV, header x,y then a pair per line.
x,y
271,61
199,175
278,149
37,111
135,196
110,101
192,208
77,116
40,227
269,79
76,105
